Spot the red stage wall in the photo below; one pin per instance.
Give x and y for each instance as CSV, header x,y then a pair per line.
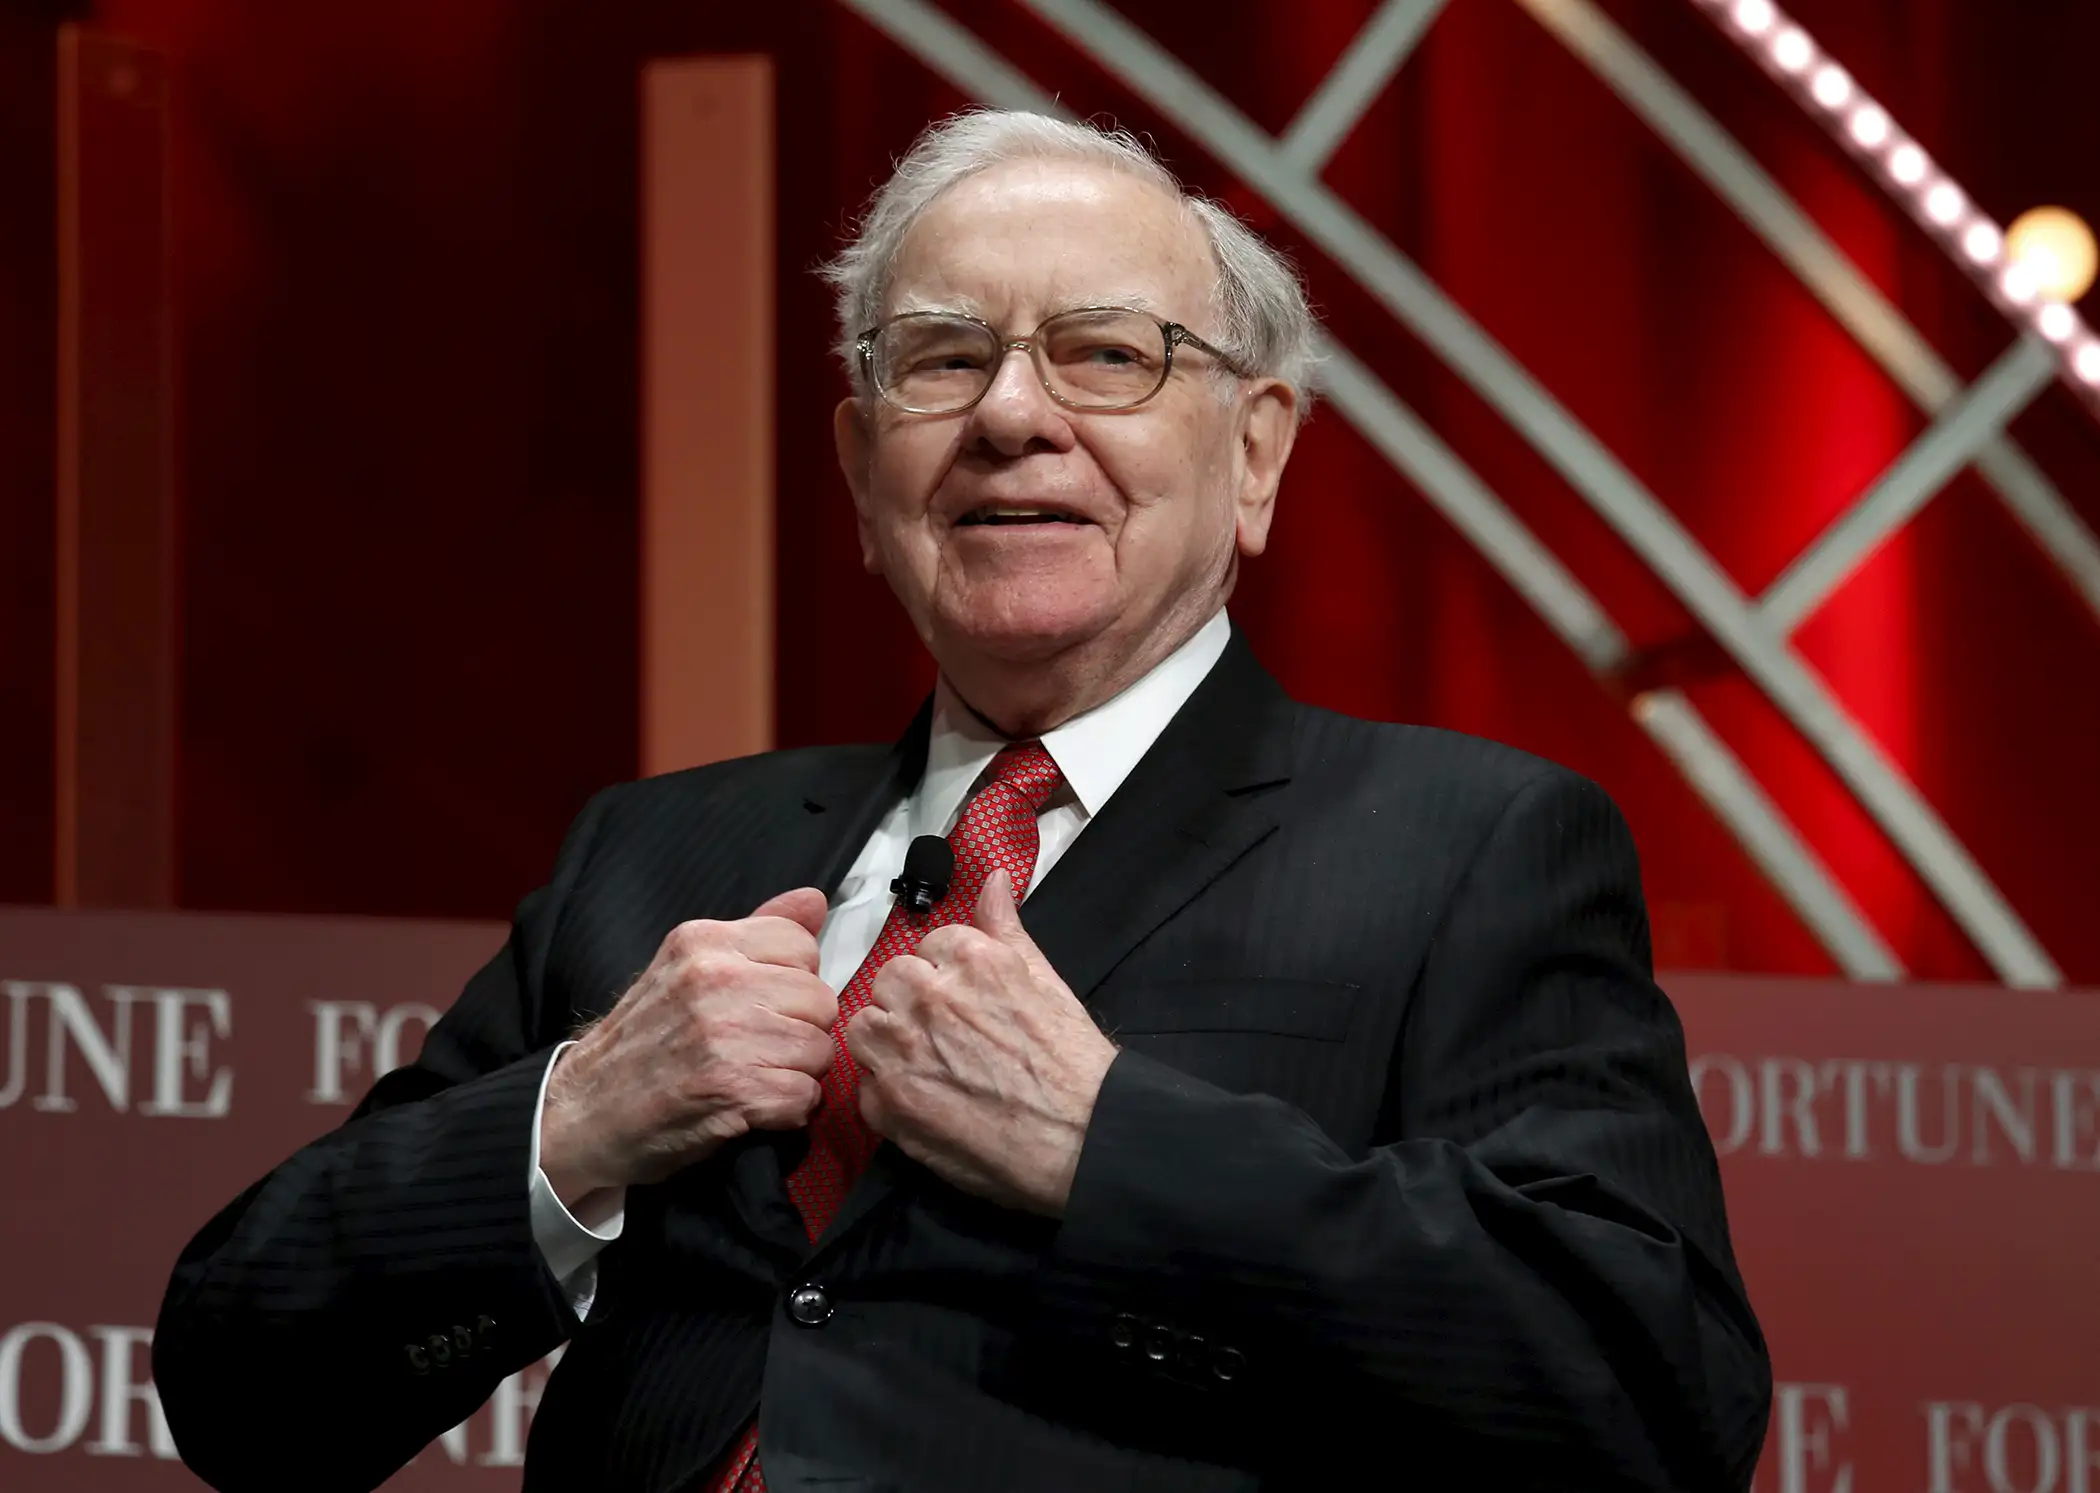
x,y
1913,1179
408,286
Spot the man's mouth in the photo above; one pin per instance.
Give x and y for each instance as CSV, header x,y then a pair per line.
x,y
1000,513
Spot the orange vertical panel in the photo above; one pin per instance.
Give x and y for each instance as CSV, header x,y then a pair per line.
x,y
116,504
707,406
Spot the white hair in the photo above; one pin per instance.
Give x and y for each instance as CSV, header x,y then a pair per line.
x,y
1263,321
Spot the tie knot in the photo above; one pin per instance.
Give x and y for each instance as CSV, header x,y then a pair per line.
x,y
1027,768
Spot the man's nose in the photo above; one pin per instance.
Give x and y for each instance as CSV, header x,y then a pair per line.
x,y
1017,414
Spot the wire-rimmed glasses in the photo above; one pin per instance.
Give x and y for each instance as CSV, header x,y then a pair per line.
x,y
1097,358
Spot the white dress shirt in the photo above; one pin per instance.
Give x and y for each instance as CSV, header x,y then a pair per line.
x,y
1095,752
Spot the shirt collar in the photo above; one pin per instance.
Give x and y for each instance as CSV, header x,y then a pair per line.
x,y
1095,751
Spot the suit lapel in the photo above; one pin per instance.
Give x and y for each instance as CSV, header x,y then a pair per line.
x,y
820,831
1195,803
1201,798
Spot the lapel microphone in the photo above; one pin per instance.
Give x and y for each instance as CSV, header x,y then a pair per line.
x,y
929,864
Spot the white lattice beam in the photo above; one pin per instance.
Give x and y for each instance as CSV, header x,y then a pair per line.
x,y
1379,51
1886,335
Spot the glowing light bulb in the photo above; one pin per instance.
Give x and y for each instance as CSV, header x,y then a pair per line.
x,y
1831,86
1870,126
1792,50
2054,245
1982,243
2018,284
2057,322
1907,164
1944,204
1755,16
2087,364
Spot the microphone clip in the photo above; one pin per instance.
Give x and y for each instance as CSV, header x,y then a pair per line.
x,y
929,865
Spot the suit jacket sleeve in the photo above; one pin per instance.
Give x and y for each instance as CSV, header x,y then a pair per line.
x,y
373,1290
1534,1260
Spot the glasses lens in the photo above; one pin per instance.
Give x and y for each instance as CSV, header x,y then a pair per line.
x,y
933,363
1104,359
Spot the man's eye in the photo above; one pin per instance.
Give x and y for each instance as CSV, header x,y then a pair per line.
x,y
1111,354
945,362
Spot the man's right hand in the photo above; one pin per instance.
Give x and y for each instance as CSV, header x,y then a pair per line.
x,y
728,1030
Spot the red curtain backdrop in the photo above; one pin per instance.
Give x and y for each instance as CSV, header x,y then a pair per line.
x,y
28,452
408,280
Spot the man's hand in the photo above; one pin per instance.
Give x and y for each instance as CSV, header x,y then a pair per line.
x,y
728,1030
980,1062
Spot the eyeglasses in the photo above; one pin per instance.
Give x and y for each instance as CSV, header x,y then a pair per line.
x,y
1097,358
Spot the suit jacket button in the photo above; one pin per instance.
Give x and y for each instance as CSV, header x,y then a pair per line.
x,y
1123,1332
462,1341
1226,1364
1159,1342
809,1305
440,1349
418,1360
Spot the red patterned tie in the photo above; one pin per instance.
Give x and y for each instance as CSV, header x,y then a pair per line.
x,y
997,832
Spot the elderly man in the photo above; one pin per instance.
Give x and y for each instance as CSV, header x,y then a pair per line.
x,y
1231,1095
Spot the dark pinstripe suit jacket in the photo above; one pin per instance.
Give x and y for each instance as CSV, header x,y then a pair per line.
x,y
1399,1164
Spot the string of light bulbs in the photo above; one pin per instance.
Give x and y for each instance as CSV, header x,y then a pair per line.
x,y
2031,273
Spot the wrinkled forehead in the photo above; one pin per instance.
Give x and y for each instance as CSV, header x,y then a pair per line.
x,y
1022,241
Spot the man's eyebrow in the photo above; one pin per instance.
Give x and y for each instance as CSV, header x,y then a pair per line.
x,y
956,306
1132,300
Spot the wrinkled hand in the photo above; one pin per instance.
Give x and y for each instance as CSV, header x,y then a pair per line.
x,y
728,1030
979,1061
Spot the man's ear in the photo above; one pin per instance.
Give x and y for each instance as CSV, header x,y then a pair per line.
x,y
1268,430
850,435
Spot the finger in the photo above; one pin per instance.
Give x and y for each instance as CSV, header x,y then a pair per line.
x,y
774,940
996,912
896,982
804,905
998,915
874,1109
794,993
870,1036
946,945
782,1100
795,1046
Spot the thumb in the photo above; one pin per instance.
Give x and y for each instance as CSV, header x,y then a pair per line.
x,y
998,915
804,905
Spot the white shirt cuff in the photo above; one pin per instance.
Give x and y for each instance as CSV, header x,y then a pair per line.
x,y
569,1245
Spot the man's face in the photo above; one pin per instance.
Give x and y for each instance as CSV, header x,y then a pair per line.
x,y
1152,506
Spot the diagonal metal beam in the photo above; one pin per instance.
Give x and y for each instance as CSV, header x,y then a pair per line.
x,y
1918,475
2040,509
1940,860
1817,897
1450,486
1454,490
1379,51
1771,841
1716,774
1719,160
958,56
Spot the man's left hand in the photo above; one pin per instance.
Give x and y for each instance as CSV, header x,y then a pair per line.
x,y
979,1062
